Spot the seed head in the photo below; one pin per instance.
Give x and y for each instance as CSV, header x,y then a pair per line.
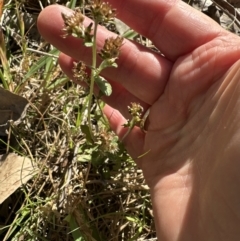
x,y
107,141
73,24
102,12
135,110
79,72
111,48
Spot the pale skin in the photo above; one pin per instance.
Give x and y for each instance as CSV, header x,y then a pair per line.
x,y
192,143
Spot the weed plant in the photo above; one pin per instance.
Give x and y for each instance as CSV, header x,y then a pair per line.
x,y
87,187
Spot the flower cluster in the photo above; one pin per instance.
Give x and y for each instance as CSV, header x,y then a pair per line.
x,y
73,24
107,141
136,111
111,48
79,72
102,12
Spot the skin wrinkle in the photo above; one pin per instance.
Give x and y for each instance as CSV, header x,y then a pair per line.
x,y
173,188
193,20
222,92
223,52
228,105
186,187
193,128
201,58
196,71
210,59
225,90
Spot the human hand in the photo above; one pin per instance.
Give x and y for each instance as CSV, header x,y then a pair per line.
x,y
190,152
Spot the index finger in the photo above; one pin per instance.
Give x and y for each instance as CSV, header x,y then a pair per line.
x,y
173,26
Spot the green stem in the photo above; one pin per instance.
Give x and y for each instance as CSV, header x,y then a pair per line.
x,y
130,127
93,72
103,116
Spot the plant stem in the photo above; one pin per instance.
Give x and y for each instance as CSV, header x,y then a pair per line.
x,y
131,126
93,73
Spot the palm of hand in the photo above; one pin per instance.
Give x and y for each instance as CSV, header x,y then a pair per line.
x,y
190,141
